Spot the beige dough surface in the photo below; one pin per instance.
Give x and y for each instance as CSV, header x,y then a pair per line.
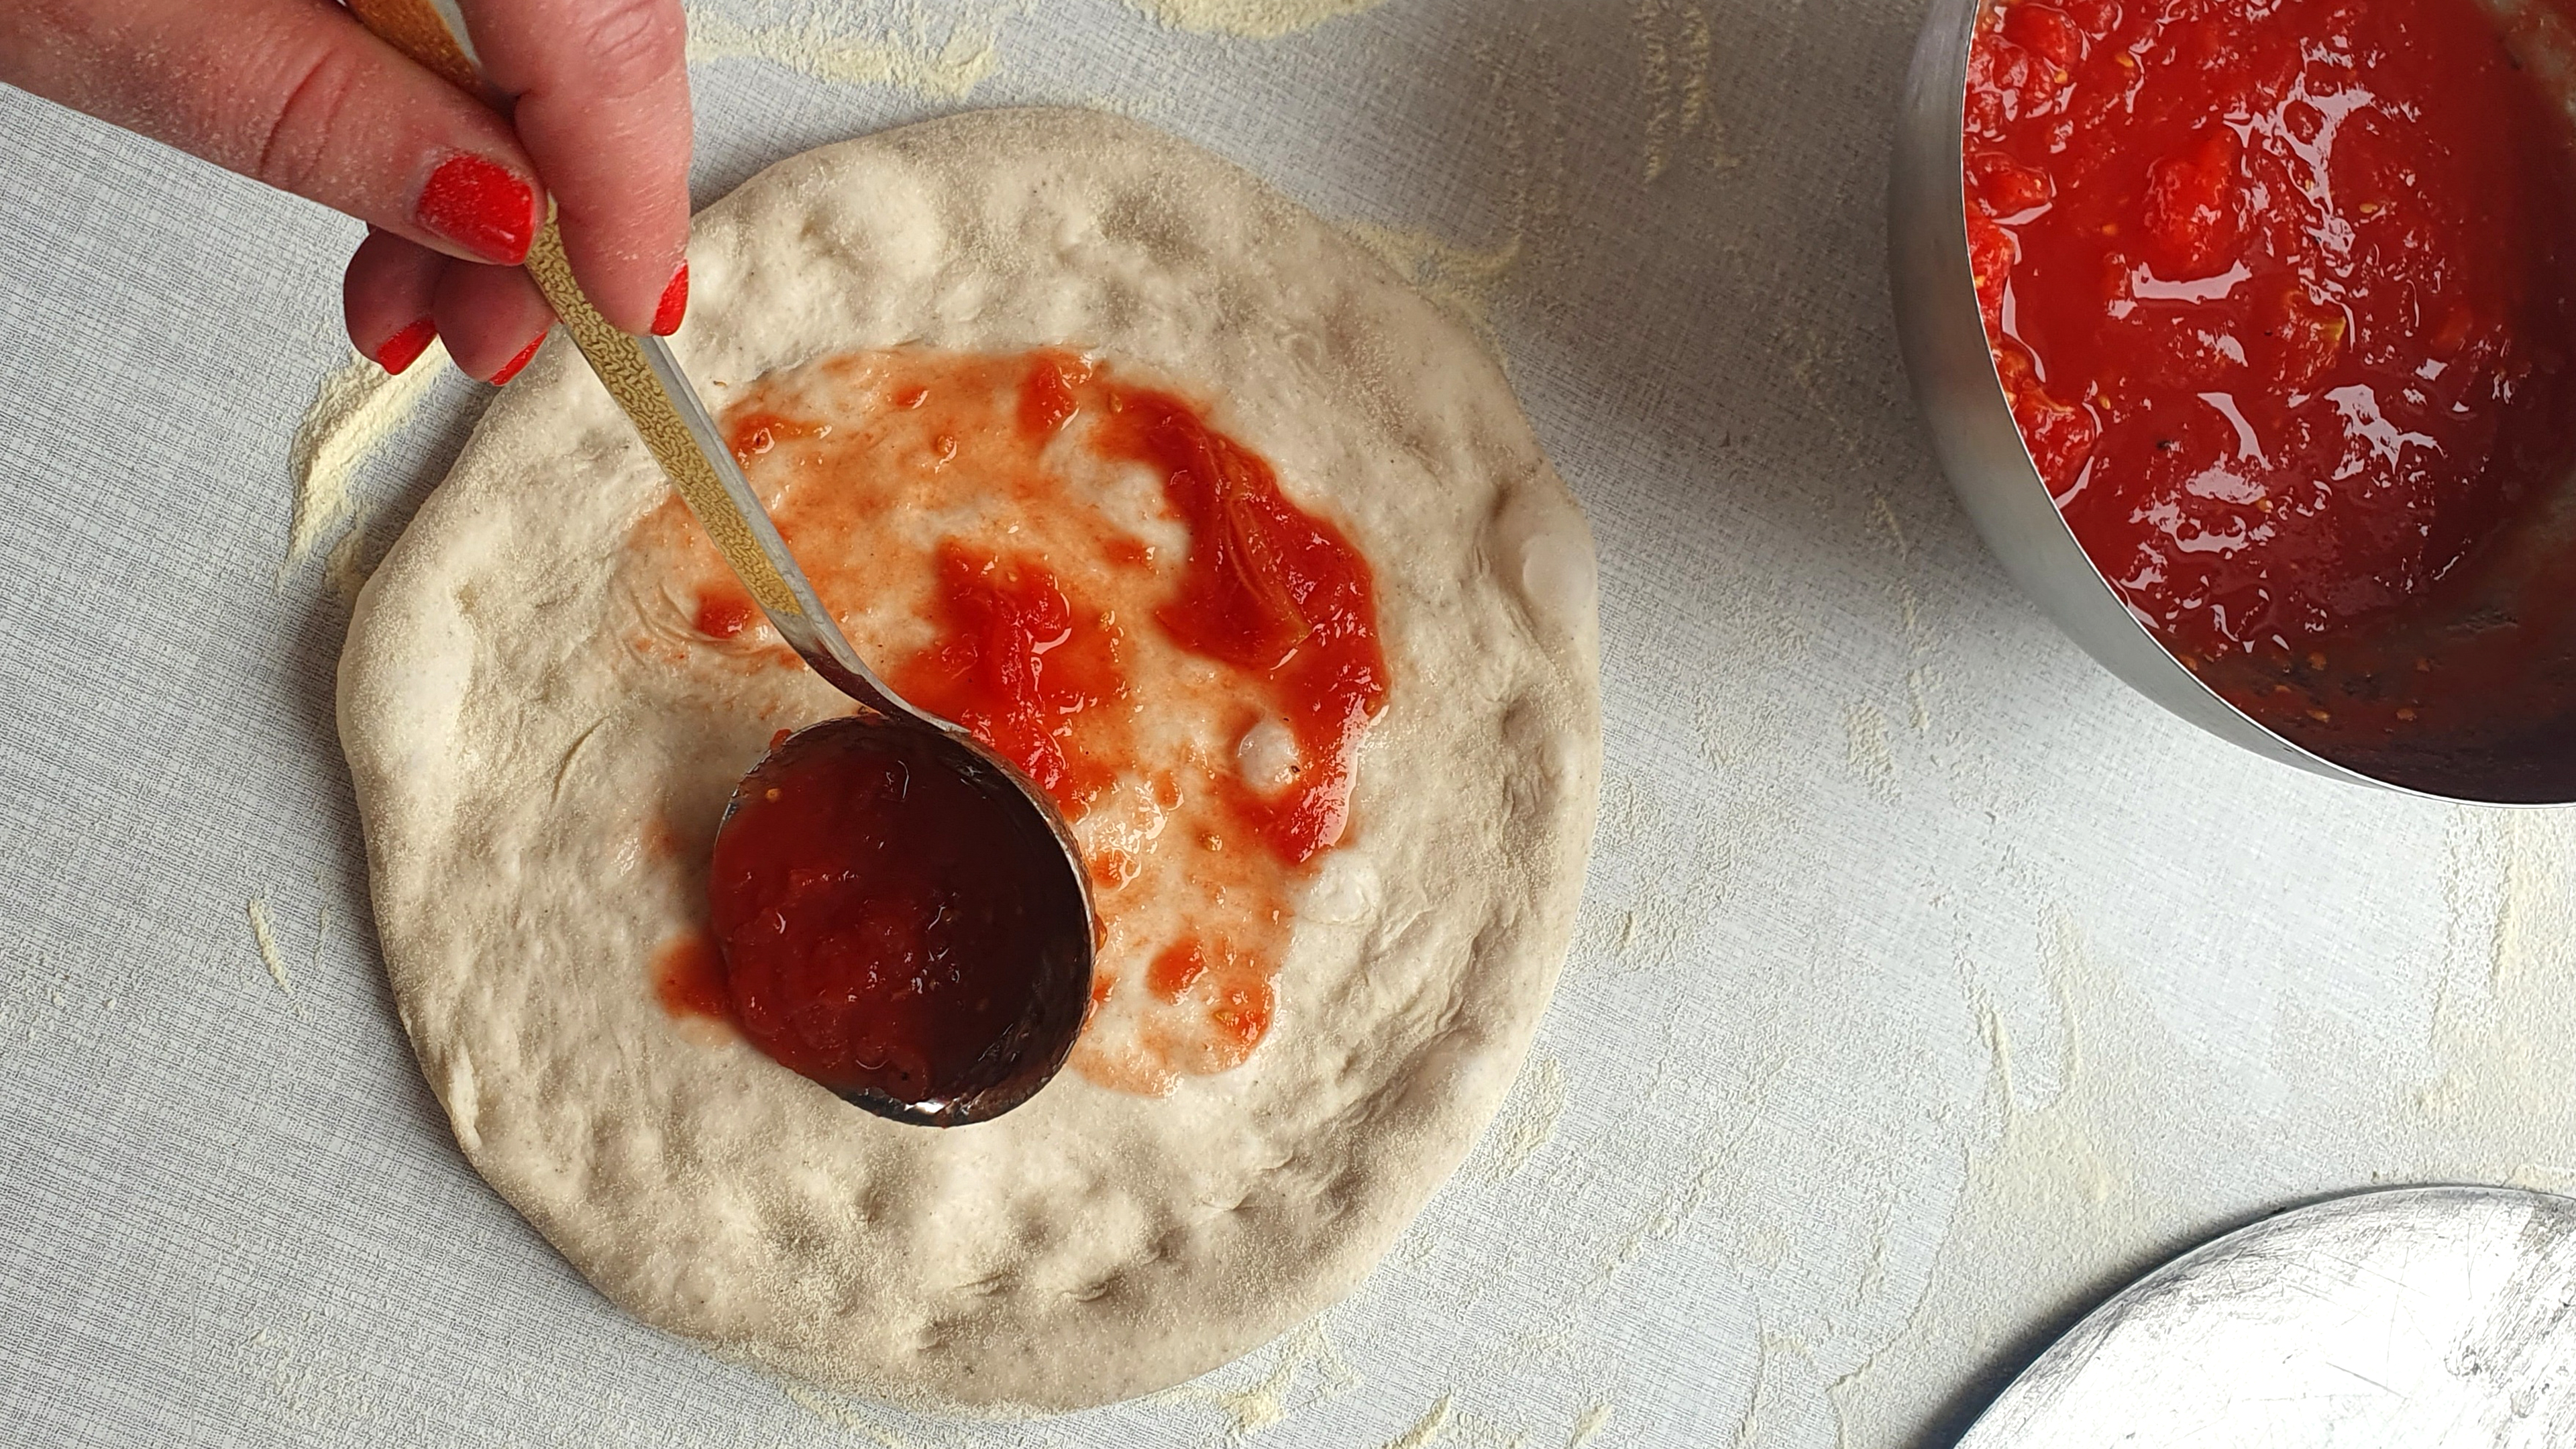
x,y
514,755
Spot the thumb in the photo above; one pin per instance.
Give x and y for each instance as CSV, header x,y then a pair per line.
x,y
293,93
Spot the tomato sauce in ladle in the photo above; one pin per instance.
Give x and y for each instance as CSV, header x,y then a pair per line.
x,y
903,913
897,924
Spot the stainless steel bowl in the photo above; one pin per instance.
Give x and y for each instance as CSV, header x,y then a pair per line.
x,y
1981,451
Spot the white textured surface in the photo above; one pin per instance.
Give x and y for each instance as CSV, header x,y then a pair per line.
x,y
1928,983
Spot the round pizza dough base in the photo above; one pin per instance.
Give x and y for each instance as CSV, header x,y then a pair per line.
x,y
509,754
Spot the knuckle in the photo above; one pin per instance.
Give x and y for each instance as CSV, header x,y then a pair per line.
x,y
632,45
299,135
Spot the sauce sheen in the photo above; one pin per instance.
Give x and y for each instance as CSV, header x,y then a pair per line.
x,y
1117,596
2284,300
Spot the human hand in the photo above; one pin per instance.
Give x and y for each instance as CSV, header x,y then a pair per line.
x,y
297,94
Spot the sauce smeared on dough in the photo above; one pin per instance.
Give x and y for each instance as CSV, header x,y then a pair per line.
x,y
689,978
1120,598
1278,594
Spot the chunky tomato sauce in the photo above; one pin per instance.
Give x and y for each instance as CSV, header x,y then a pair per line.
x,y
1187,668
882,925
1276,594
2283,294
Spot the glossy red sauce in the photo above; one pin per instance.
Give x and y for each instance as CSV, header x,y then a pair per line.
x,y
1017,666
881,924
722,616
2284,298
1274,591
1039,610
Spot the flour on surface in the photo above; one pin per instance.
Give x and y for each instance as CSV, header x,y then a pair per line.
x,y
1748,1428
354,412
309,1381
346,567
1251,19
267,941
1528,1118
1523,102
1525,96
2053,1200
1459,281
1714,1171
1865,748
912,47
321,933
2505,1007
1673,53
33,985
1427,1428
1304,1358
843,1415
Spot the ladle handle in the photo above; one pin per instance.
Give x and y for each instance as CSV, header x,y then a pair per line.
x,y
657,397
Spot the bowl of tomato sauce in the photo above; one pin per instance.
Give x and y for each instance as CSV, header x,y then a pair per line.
x,y
2246,331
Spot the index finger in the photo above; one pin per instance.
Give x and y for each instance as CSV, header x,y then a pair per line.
x,y
292,93
603,107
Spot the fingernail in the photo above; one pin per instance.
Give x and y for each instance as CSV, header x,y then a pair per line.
x,y
510,369
405,347
481,207
674,305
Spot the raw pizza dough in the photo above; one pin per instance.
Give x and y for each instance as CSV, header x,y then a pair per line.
x,y
509,753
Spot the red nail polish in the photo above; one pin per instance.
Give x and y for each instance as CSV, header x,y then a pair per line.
x,y
405,347
510,369
480,207
674,305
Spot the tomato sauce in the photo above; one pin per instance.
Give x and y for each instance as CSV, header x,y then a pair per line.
x,y
2283,296
882,926
1188,670
689,979
1275,592
1017,666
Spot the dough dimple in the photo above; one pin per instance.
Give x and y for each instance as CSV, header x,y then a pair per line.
x,y
518,758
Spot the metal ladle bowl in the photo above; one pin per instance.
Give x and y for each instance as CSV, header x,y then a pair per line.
x,y
1942,334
